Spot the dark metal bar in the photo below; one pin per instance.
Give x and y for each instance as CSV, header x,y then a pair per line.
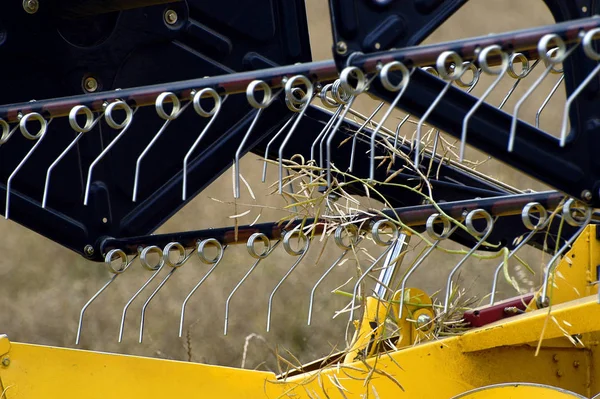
x,y
324,71
411,216
73,9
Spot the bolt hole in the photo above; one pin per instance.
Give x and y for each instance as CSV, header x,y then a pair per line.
x,y
584,9
377,46
104,220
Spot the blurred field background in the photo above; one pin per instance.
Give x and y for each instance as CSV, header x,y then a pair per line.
x,y
43,286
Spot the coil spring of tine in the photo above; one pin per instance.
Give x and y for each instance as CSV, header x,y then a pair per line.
x,y
360,129
123,126
526,218
447,231
108,259
484,234
339,241
301,253
444,73
568,215
526,69
303,103
90,123
39,136
153,268
250,246
213,113
470,85
261,106
483,62
342,98
209,261
168,117
588,48
7,132
550,58
183,258
353,91
388,85
376,234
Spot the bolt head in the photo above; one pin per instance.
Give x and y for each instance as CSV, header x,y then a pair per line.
x,y
586,195
423,320
341,47
90,84
89,250
171,17
31,6
575,364
6,361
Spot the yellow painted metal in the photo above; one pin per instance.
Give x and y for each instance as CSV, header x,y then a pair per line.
x,y
576,271
368,330
519,391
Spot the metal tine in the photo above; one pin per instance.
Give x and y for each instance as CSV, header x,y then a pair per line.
x,y
483,63
526,69
7,132
259,256
200,110
338,235
400,87
168,117
568,215
483,235
300,253
261,106
146,265
39,136
588,48
108,260
295,105
353,91
205,258
447,231
124,126
443,59
538,114
360,129
551,58
527,215
183,258
320,137
285,126
90,123
376,234
342,98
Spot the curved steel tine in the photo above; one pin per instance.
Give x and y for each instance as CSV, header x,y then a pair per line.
x,y
153,268
438,237
168,117
296,105
360,129
290,120
108,259
568,215
483,63
547,100
323,134
551,59
443,59
39,136
183,258
250,246
212,114
484,234
342,98
588,48
124,126
339,240
90,123
301,253
526,216
376,233
526,69
400,87
214,261
261,106
353,92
